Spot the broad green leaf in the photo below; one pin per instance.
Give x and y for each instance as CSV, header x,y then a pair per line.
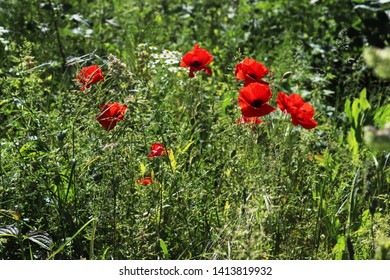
x,y
352,142
9,231
364,104
355,112
41,238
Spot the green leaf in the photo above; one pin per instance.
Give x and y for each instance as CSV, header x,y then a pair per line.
x,y
347,109
364,104
355,112
339,248
70,239
164,248
382,116
172,159
9,231
4,101
187,147
41,238
105,252
11,214
352,142
142,168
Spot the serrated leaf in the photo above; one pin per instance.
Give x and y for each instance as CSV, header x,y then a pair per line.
x,y
9,231
41,238
172,159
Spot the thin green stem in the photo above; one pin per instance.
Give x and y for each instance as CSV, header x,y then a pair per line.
x,y
70,239
58,37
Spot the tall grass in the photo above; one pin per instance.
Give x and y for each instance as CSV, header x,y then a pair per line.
x,y
69,189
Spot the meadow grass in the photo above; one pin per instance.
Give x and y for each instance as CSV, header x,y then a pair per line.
x,y
70,189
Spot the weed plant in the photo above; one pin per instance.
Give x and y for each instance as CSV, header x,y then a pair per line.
x,y
71,189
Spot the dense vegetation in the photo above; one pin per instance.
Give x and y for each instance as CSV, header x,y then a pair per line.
x,y
70,189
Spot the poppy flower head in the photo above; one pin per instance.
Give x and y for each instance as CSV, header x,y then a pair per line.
x,y
251,71
110,114
289,103
253,100
157,149
304,119
283,102
301,112
89,75
197,60
147,180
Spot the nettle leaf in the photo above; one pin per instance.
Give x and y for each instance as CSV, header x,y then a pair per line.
x,y
41,238
9,231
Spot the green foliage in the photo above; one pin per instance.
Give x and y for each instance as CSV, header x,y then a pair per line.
x,y
356,116
69,189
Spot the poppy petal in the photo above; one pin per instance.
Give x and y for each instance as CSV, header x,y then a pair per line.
x,y
249,111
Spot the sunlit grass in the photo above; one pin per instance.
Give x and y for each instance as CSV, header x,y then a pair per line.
x,y
72,187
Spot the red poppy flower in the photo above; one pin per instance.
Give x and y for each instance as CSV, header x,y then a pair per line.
x,y
301,112
288,103
145,181
90,75
158,149
110,114
253,100
197,60
251,71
